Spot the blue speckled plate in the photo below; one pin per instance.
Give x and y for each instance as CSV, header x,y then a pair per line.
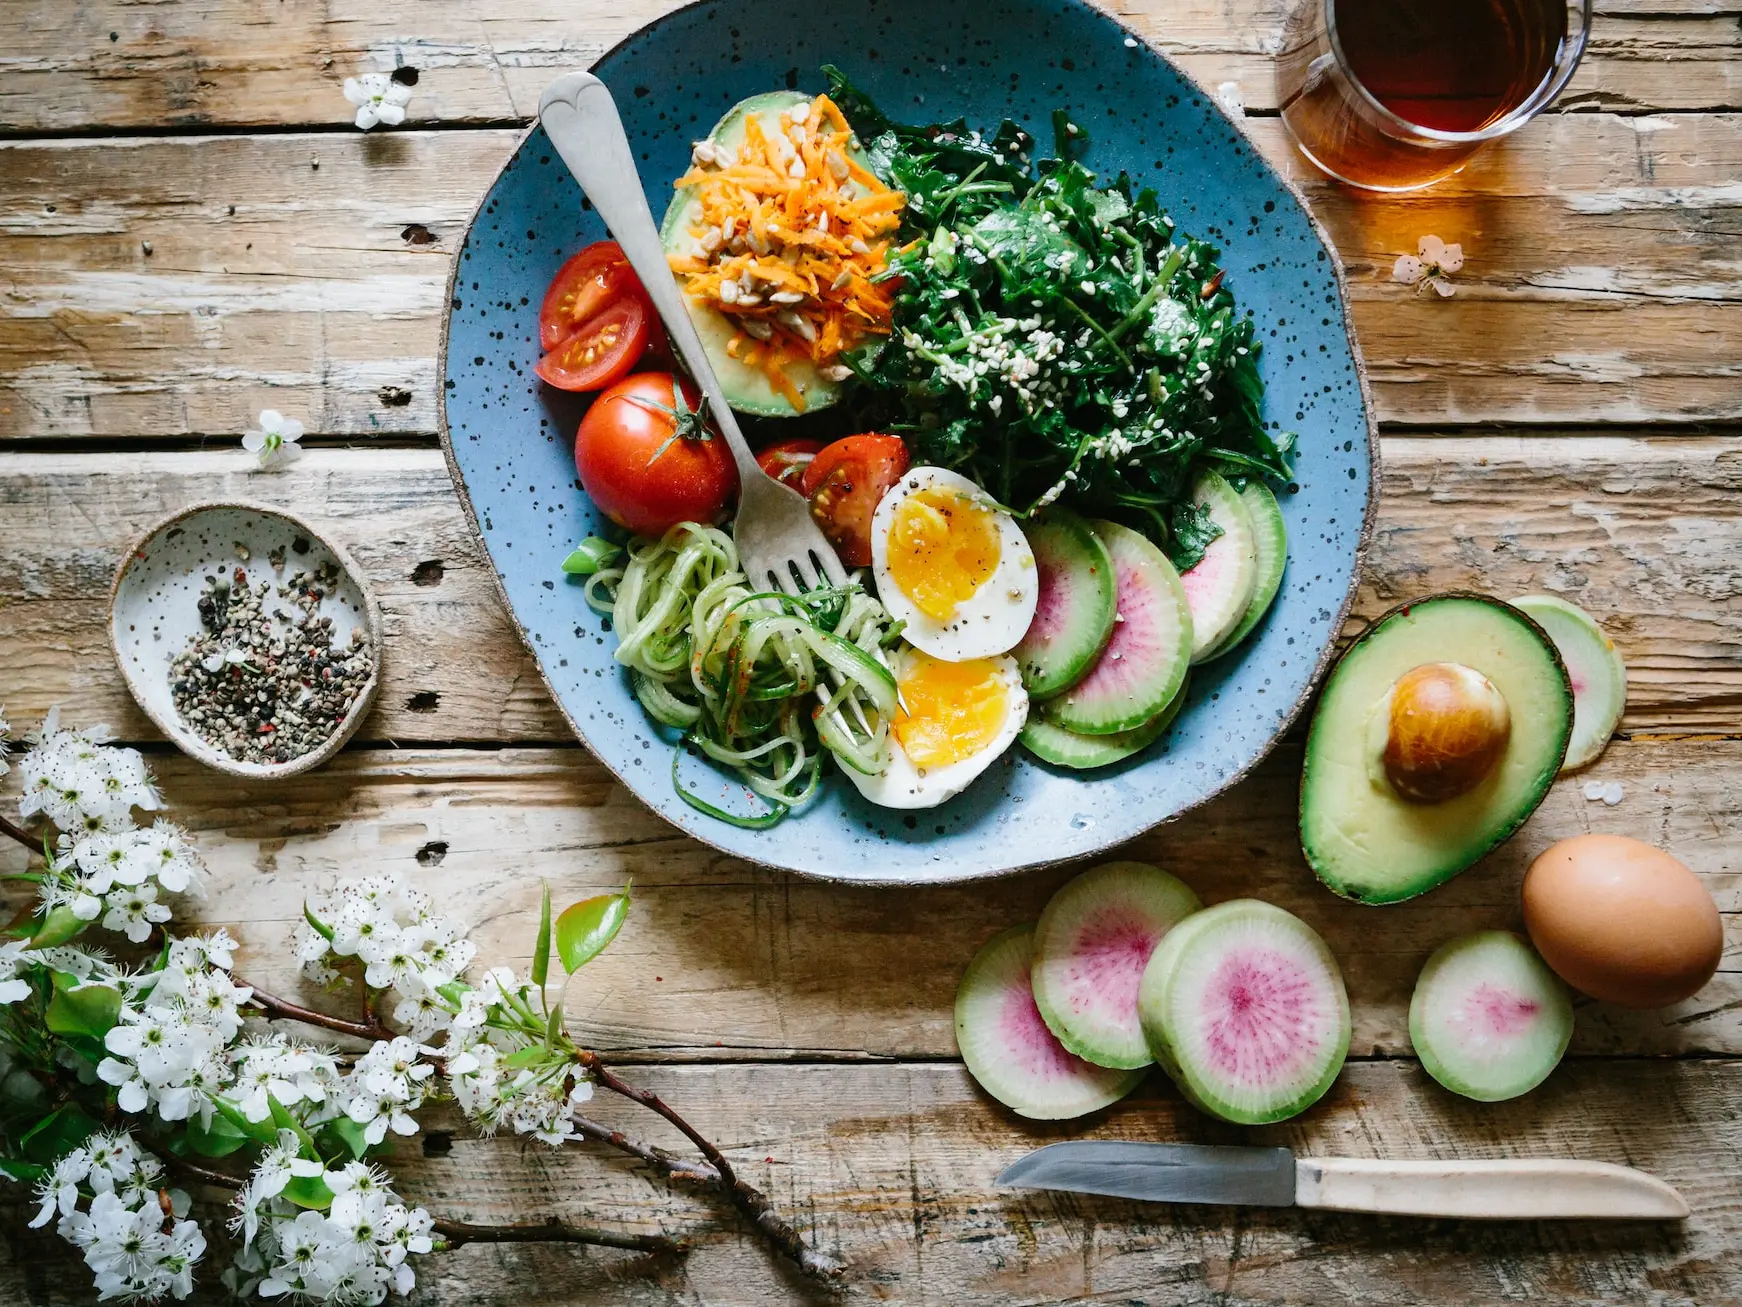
x,y
509,439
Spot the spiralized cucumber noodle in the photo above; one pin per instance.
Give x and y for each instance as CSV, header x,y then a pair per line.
x,y
739,670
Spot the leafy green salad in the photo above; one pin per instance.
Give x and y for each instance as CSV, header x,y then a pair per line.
x,y
1055,339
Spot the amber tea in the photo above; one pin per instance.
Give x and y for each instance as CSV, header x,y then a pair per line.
x,y
1395,94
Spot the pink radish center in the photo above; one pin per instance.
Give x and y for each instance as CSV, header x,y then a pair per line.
x,y
1107,961
1033,1048
1052,611
1205,579
1491,1011
1263,1014
1132,650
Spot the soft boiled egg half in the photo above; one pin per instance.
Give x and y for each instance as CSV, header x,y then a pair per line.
x,y
951,720
953,566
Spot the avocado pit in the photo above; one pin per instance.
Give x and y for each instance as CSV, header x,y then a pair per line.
x,y
1445,726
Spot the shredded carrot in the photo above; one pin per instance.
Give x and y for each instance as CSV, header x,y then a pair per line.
x,y
792,214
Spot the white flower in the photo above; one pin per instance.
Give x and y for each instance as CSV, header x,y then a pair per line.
x,y
388,1083
275,441
12,958
1431,265
277,1167
134,910
78,783
379,99
58,1191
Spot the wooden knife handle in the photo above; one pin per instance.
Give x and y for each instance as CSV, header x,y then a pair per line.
x,y
1521,1190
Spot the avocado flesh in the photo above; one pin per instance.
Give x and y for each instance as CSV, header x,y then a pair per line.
x,y
747,388
1364,841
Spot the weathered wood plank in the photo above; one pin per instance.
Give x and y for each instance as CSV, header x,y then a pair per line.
x,y
225,63
1646,533
1604,281
724,959
892,1166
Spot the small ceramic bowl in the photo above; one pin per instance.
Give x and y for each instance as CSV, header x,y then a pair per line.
x,y
153,611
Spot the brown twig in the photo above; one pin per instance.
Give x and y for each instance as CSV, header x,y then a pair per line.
x,y
682,1168
204,1174
284,1008
20,834
456,1234
755,1205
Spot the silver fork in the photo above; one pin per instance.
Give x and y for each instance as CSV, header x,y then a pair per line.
x,y
779,545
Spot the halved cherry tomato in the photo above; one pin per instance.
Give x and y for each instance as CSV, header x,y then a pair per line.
x,y
786,460
581,288
646,460
844,482
607,345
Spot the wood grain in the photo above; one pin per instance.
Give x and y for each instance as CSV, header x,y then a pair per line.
x,y
1604,281
1646,533
223,63
893,1165
727,960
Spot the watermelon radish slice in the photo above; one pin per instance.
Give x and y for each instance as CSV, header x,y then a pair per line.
x,y
1594,667
1488,1019
1008,1048
1244,1007
1145,660
1090,948
1220,588
1052,743
1075,614
1271,538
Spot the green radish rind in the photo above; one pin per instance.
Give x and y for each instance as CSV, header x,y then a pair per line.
x,y
1595,668
1074,616
1052,743
747,388
1006,1044
1488,1019
1271,537
1092,942
1144,662
1362,840
1219,589
1196,956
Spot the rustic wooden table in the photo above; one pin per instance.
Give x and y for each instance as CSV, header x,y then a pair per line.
x,y
190,231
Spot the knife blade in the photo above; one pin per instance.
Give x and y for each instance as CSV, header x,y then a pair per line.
x,y
1497,1190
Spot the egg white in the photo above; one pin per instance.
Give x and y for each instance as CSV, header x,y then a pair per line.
x,y
995,617
902,784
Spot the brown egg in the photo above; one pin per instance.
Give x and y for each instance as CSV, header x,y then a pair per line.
x,y
1622,921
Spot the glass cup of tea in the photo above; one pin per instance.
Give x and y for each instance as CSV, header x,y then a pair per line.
x,y
1393,95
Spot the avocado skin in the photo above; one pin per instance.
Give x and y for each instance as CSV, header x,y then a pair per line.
x,y
1493,813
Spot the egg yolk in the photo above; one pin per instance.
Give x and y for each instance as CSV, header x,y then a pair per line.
x,y
949,711
943,546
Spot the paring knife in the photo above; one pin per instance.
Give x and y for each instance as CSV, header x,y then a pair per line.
x,y
1514,1190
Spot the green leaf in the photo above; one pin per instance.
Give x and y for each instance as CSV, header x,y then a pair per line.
x,y
541,948
57,927
59,1132
309,1191
554,1027
24,1172
283,1120
585,928
79,1009
350,1134
263,1132
592,555
219,1139
522,1058
320,927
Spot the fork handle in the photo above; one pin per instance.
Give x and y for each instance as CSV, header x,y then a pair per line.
x,y
582,121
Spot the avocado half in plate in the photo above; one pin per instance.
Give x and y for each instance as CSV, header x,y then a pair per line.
x,y
747,389
1438,734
